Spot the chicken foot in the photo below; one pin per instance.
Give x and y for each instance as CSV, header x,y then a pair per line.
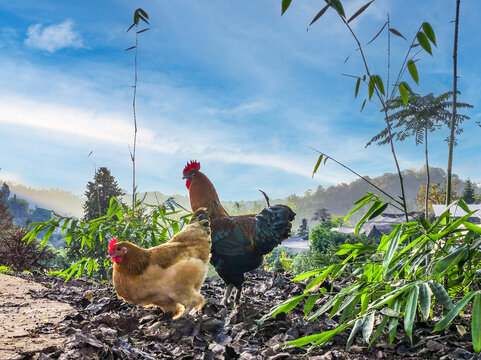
x,y
228,291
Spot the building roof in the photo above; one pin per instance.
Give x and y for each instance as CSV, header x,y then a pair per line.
x,y
456,211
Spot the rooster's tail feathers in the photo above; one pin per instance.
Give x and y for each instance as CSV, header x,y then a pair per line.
x,y
273,225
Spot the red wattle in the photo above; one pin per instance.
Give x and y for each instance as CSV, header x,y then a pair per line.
x,y
117,259
187,183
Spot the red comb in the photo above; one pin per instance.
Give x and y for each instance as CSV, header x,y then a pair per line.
x,y
112,245
192,165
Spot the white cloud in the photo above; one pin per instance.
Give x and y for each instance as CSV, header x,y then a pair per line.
x,y
54,37
117,130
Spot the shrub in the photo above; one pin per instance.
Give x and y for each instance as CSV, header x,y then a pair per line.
x,y
20,255
279,258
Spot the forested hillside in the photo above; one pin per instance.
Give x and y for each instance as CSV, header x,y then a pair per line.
x,y
336,199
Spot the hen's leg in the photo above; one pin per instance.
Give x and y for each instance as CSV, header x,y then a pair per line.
x,y
228,291
238,295
180,311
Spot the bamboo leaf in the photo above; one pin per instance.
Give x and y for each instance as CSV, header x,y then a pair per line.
x,y
424,42
428,30
379,32
366,216
379,329
363,103
368,327
379,211
307,275
358,82
397,33
317,164
425,300
310,302
441,294
319,338
394,321
404,93
449,317
360,11
285,5
336,4
320,278
413,71
410,314
360,203
396,235
476,324
357,326
371,87
286,306
448,262
143,12
379,83
319,14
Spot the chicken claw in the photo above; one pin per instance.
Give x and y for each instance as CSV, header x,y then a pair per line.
x,y
180,311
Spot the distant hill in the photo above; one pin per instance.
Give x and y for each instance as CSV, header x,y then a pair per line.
x,y
63,202
336,199
339,199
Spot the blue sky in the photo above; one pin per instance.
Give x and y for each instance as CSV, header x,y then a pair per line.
x,y
231,84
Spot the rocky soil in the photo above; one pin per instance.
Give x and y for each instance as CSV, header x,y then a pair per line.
x,y
100,326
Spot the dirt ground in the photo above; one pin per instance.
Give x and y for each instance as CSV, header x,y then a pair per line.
x,y
43,318
20,315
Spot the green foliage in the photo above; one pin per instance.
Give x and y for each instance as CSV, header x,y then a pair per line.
x,y
144,225
310,260
5,270
321,236
468,193
279,258
412,269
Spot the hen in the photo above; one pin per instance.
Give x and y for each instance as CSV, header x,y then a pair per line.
x,y
169,275
238,242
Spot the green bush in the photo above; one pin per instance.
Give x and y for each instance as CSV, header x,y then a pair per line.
x,y
279,258
310,260
145,225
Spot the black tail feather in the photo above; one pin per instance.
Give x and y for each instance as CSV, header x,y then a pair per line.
x,y
273,225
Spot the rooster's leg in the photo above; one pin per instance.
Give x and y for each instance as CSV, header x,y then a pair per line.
x,y
225,301
238,295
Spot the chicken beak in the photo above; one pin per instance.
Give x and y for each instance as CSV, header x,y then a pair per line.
x,y
184,177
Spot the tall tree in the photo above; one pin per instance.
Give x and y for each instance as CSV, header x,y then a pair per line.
x,y
5,215
99,192
437,195
468,193
303,228
321,215
422,115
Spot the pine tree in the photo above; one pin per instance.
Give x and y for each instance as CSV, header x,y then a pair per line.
x,y
303,229
468,193
99,192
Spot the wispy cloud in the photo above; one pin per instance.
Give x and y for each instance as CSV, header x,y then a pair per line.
x,y
54,37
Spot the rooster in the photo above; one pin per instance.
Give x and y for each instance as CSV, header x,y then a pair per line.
x,y
169,275
238,242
